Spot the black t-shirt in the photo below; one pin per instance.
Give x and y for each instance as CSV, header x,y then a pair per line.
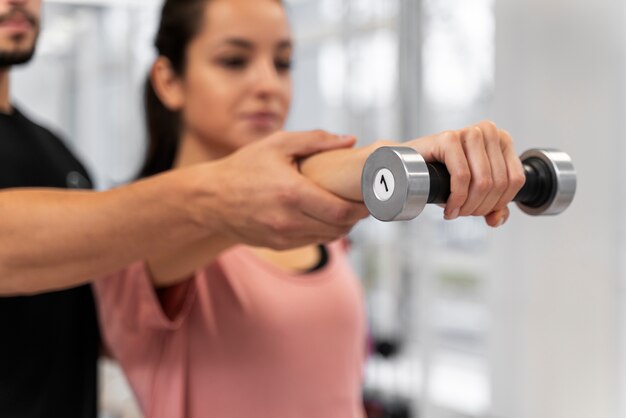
x,y
48,343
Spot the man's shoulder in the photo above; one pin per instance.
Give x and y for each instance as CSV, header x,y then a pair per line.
x,y
46,145
28,121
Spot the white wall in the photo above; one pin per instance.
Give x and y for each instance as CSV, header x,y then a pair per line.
x,y
559,79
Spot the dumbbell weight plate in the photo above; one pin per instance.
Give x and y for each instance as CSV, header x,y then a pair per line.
x,y
395,183
563,175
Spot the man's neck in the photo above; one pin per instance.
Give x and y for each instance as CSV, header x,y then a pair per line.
x,y
5,104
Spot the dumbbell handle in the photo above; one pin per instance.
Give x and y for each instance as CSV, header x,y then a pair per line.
x,y
536,191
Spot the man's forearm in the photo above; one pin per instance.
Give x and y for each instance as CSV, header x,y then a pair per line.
x,y
56,239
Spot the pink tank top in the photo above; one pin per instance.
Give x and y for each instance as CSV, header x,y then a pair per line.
x,y
249,340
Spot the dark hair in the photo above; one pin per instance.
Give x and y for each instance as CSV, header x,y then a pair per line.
x,y
180,22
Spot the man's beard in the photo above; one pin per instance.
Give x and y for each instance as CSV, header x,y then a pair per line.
x,y
9,58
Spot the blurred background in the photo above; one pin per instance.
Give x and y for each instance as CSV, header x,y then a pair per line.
x,y
526,321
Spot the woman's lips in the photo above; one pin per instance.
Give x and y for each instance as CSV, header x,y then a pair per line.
x,y
262,120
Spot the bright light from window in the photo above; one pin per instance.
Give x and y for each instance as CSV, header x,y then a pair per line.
x,y
332,72
458,51
369,80
331,10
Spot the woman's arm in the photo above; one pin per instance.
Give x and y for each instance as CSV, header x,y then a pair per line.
x,y
485,176
340,171
486,173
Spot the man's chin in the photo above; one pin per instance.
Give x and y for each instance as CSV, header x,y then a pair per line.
x,y
10,58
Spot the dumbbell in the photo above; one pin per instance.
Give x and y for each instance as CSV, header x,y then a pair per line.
x,y
397,183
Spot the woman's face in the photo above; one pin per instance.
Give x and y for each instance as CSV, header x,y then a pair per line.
x,y
237,80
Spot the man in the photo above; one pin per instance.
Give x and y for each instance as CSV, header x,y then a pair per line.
x,y
52,242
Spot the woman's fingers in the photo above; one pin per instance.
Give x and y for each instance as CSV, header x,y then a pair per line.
x,y
497,218
452,154
515,170
481,181
499,171
485,171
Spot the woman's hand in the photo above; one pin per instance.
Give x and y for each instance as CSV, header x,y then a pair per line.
x,y
485,171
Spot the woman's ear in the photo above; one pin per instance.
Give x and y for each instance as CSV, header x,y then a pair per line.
x,y
166,84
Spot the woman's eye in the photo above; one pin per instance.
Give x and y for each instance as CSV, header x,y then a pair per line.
x,y
283,64
234,62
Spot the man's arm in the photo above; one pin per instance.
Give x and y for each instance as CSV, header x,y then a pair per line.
x,y
56,239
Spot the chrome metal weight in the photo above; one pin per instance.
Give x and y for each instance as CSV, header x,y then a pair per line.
x,y
397,183
561,186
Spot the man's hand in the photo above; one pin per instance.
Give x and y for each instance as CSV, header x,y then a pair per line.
x,y
265,201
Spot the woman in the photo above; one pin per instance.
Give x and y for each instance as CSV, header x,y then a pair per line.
x,y
257,332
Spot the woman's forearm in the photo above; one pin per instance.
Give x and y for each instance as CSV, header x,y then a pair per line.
x,y
340,171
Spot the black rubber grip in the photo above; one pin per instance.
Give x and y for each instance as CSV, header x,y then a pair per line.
x,y
540,186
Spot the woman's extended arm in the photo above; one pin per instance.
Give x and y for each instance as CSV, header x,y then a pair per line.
x,y
485,176
486,173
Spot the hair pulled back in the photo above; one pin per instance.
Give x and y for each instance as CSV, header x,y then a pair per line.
x,y
180,22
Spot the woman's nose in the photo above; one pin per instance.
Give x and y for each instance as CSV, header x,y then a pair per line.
x,y
267,79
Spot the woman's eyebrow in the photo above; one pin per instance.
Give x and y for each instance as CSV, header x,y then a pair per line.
x,y
238,42
245,44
